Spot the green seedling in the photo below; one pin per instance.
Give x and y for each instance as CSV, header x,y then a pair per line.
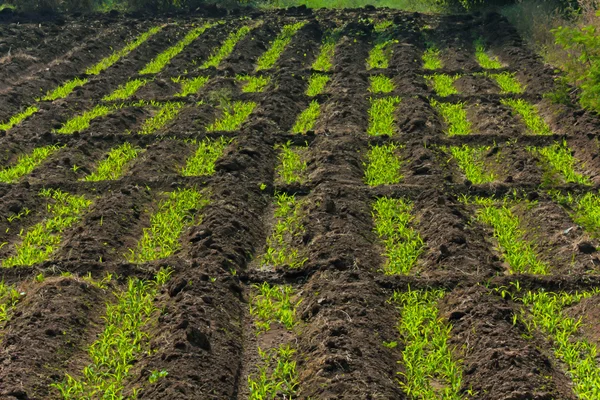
x,y
202,163
403,245
455,117
82,122
382,26
40,241
380,54
18,118
158,63
27,163
253,84
381,116
383,165
233,117
430,371
585,210
227,48
273,304
276,376
470,161
508,83
270,57
431,58
113,166
190,86
107,62
125,91
381,84
64,90
443,84
155,376
558,159
529,114
9,297
324,60
174,214
165,114
316,84
291,166
485,60
307,119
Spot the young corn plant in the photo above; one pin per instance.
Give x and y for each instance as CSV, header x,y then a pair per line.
x,y
41,240
324,60
307,119
403,245
529,114
161,238
82,122
380,54
507,82
559,160
470,161
430,371
227,48
107,62
431,58
316,84
253,84
270,57
443,84
125,91
124,339
158,63
276,377
27,163
190,86
233,117
291,165
165,114
381,116
288,225
455,117
202,163
64,90
113,166
273,304
578,355
585,210
381,84
483,58
520,254
18,118
383,165
9,297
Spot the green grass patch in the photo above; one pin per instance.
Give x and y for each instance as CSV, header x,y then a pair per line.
x,y
253,84
381,116
9,297
64,90
443,84
291,165
471,162
381,84
41,240
125,91
430,371
174,214
276,376
190,86
165,114
233,116
483,58
125,338
82,122
288,225
307,119
455,117
403,245
529,114
225,50
27,163
270,57
158,63
431,58
508,83
316,84
520,254
383,165
202,163
324,60
18,118
107,62
558,160
113,166
585,210
273,304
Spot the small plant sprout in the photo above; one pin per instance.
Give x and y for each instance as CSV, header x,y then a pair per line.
x,y
307,119
82,122
253,84
383,165
41,240
455,117
381,116
158,63
585,210
507,82
233,117
558,160
165,114
470,161
18,118
113,166
270,57
380,54
190,86
324,60
431,58
276,375
9,297
227,48
27,163
63,91
403,245
155,376
273,304
530,116
291,165
443,84
204,159
125,91
381,84
316,84
483,58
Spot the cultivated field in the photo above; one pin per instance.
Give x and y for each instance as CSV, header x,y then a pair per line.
x,y
359,204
